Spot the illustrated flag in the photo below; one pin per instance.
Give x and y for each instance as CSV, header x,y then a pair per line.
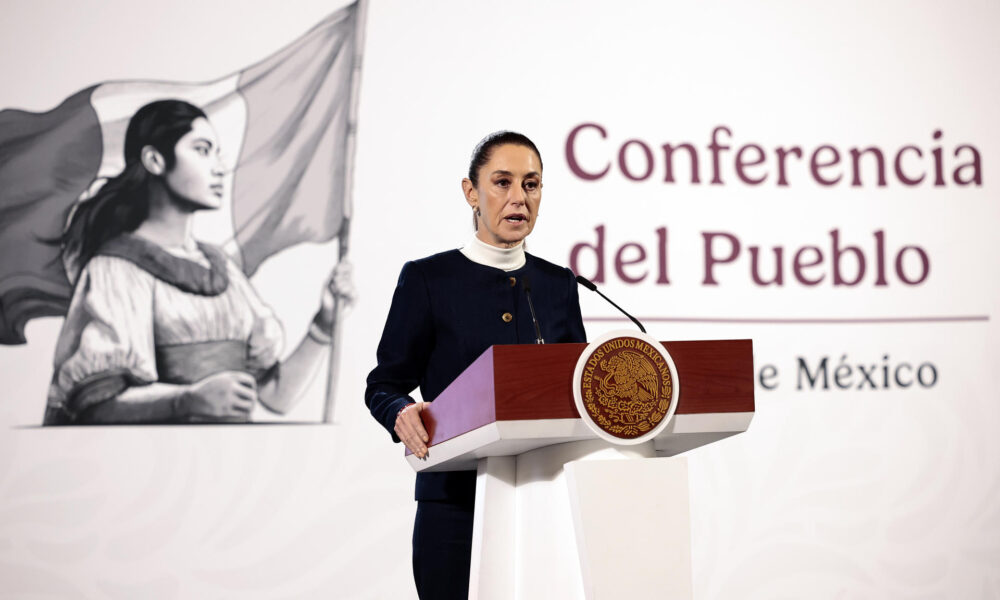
x,y
283,126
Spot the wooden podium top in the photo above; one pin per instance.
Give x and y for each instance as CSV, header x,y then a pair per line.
x,y
534,382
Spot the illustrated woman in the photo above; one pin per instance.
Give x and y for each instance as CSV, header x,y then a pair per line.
x,y
163,328
447,309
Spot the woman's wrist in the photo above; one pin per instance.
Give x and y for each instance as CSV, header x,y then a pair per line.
x,y
321,328
180,404
404,407
319,335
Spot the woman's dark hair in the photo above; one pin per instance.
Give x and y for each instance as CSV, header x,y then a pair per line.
x,y
484,149
122,204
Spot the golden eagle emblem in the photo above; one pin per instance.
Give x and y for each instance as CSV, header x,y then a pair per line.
x,y
631,387
626,387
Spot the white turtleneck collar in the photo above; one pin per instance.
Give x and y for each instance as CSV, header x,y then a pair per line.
x,y
506,259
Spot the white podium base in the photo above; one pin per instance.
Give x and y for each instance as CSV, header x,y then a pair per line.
x,y
575,520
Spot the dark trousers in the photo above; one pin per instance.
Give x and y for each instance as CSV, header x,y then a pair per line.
x,y
442,550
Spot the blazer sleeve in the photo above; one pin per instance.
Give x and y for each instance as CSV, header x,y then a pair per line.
x,y
407,342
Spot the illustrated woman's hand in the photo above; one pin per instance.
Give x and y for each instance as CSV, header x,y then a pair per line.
x,y
225,396
339,285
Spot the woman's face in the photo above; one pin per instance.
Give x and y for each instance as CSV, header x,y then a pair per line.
x,y
508,195
198,170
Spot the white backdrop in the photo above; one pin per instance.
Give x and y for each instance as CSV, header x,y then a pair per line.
x,y
832,493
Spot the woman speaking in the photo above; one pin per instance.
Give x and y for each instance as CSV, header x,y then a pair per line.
x,y
449,308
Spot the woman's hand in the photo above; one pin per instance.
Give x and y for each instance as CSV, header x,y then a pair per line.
x,y
224,396
340,286
410,429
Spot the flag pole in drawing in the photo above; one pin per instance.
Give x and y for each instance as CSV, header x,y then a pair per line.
x,y
285,126
348,181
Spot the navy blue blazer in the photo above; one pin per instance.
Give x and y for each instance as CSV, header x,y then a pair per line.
x,y
445,312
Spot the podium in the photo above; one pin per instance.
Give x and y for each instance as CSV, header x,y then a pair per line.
x,y
560,512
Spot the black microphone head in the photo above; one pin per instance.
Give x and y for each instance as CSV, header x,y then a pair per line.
x,y
586,283
526,283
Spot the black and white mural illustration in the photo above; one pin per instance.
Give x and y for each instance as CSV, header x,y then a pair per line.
x,y
101,200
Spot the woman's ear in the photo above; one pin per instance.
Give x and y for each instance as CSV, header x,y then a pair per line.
x,y
471,195
153,160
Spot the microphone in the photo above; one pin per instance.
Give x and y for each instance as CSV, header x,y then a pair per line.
x,y
590,286
531,307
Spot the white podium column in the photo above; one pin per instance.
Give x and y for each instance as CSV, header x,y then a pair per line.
x,y
494,543
574,520
633,527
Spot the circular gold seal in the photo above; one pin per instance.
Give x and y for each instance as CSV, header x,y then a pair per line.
x,y
625,387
